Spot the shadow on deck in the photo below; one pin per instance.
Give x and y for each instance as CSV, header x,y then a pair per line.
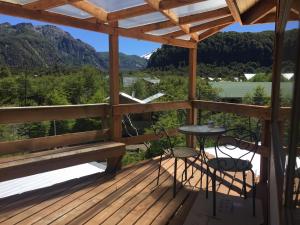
x,y
129,197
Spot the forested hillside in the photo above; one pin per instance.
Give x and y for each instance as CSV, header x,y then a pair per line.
x,y
241,51
26,46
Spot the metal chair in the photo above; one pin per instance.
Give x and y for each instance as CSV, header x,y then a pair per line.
x,y
226,144
169,150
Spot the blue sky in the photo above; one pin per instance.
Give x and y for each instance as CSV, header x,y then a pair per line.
x,y
127,45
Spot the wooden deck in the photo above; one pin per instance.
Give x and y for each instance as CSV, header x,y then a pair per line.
x,y
129,197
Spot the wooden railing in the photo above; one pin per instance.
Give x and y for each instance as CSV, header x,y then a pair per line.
x,y
12,115
144,108
47,113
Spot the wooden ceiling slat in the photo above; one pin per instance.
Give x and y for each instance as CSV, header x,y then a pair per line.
x,y
45,16
258,11
92,9
270,18
234,9
47,4
296,6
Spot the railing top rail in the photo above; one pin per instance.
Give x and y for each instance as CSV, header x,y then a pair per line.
x,y
150,107
45,113
262,112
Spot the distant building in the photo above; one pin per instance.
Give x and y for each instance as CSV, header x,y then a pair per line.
x,y
288,76
249,76
233,91
134,124
129,81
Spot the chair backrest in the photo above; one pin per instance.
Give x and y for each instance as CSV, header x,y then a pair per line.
x,y
164,138
238,143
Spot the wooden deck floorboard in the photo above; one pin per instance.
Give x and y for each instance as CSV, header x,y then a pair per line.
x,y
129,197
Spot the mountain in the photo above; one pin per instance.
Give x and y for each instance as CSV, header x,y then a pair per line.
x,y
147,56
227,48
27,46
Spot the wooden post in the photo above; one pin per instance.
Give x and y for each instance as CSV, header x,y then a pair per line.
x,y
266,142
114,164
192,113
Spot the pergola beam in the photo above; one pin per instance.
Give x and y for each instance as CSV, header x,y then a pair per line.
x,y
215,23
204,16
211,32
258,11
172,17
18,11
92,9
296,7
270,18
47,4
169,4
146,8
234,9
184,20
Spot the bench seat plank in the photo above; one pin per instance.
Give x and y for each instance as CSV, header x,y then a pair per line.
x,y
33,163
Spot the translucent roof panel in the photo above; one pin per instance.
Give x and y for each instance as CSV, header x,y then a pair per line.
x,y
200,7
184,37
69,10
116,5
201,32
206,21
164,31
142,20
21,2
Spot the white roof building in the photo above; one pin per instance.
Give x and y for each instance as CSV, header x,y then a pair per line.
x,y
249,75
287,76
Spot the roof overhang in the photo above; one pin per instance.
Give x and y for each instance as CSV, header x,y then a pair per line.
x,y
174,22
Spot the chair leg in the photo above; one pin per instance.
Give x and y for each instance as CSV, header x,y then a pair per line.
x,y
206,189
175,175
297,193
214,192
157,181
254,192
185,168
244,185
201,175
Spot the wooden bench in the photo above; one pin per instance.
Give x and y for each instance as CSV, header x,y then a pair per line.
x,y
42,161
36,155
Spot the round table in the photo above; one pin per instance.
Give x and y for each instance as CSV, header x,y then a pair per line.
x,y
201,132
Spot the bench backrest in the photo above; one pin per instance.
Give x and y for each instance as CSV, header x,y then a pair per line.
x,y
13,115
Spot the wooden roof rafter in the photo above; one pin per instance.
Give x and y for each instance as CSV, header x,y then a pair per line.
x,y
196,21
211,32
47,4
258,11
172,17
99,13
146,8
20,11
234,9
184,20
204,26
